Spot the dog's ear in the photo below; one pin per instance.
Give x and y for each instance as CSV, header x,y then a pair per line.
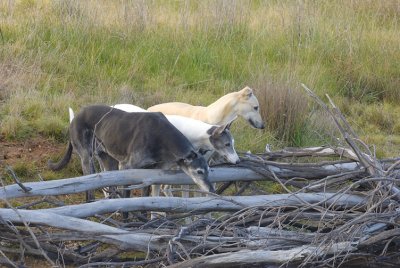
x,y
184,162
190,157
228,126
246,93
203,151
215,131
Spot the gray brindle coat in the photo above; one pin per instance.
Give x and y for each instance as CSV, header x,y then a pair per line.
x,y
131,140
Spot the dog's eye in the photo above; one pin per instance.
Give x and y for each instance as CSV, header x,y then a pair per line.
x,y
191,156
201,172
227,144
256,108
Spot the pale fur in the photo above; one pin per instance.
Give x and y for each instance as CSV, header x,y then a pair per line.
x,y
226,109
194,130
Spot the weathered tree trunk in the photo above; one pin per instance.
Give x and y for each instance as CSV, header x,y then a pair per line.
x,y
146,177
258,257
121,238
206,204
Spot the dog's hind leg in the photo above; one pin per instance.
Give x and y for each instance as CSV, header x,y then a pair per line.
x,y
87,168
81,140
108,163
88,162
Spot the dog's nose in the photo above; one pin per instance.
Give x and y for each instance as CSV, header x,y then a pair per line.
x,y
237,161
262,126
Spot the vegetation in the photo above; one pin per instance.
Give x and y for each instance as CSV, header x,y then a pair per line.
x,y
56,54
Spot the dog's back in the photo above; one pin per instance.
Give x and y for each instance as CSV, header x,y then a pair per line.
x,y
183,109
141,135
144,135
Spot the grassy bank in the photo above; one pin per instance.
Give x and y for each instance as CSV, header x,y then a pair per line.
x,y
56,54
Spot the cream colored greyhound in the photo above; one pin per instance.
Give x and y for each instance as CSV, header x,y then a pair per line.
x,y
226,109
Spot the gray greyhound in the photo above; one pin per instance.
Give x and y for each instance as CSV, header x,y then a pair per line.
x,y
124,140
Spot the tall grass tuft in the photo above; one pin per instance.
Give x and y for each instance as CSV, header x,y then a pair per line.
x,y
283,107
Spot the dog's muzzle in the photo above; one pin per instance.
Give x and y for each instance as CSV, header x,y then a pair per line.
x,y
262,126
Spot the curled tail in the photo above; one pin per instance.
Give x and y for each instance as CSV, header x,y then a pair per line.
x,y
63,162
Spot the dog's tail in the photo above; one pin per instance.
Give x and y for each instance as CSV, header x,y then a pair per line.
x,y
71,114
63,162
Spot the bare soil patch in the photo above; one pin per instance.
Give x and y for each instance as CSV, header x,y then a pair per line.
x,y
36,151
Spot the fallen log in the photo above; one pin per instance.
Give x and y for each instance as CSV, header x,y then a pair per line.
x,y
145,177
140,241
320,151
101,232
206,204
263,257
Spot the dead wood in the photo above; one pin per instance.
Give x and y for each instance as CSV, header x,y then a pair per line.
x,y
257,257
207,204
251,172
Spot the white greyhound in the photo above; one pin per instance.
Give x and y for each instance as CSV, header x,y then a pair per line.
x,y
223,111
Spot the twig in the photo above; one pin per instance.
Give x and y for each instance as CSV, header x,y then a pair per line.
x,y
243,188
387,172
29,230
6,261
14,176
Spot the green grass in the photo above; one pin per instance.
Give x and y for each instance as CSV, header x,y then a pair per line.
x,y
57,54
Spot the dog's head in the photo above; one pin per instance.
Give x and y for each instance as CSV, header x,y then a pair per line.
x,y
223,142
196,167
248,108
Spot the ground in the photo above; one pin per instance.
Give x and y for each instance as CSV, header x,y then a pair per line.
x,y
36,150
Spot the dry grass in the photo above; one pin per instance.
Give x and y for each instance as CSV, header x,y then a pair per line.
x,y
283,106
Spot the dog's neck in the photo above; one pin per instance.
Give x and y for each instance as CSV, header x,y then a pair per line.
x,y
223,110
